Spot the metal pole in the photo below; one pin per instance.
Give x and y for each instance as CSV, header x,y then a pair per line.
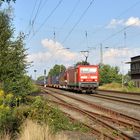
x,y
35,73
101,54
122,75
44,78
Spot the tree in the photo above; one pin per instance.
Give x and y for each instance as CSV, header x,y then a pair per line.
x,y
82,63
109,74
5,35
8,1
40,78
56,70
13,63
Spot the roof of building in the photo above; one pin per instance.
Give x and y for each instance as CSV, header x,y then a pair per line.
x,y
134,59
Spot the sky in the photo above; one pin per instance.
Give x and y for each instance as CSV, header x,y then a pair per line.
x,y
58,30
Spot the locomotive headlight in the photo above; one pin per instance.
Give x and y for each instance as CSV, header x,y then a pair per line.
x,y
83,77
93,77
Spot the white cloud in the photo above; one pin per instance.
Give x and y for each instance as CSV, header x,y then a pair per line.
x,y
112,53
132,21
114,22
54,51
39,57
58,51
115,57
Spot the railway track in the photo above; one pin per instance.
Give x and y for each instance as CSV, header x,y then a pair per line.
x,y
120,92
107,118
125,100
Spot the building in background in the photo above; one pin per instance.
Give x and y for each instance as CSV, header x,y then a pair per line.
x,y
135,70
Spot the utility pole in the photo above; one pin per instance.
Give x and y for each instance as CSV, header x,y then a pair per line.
x,y
35,73
54,35
101,54
86,38
124,39
122,75
44,77
122,61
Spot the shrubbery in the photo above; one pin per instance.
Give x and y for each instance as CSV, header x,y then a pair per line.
x,y
43,112
36,108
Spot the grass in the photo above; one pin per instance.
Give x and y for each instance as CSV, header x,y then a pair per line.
x,y
44,112
38,110
5,137
118,87
33,131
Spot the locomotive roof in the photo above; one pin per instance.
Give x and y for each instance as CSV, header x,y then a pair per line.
x,y
72,67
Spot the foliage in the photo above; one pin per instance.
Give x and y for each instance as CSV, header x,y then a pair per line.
x,y
6,99
45,113
34,89
56,70
118,87
37,109
8,122
1,96
130,84
21,112
8,1
31,130
109,74
82,63
13,63
111,86
40,78
127,78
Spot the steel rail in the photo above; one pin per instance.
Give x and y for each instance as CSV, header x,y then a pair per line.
x,y
111,112
121,92
120,133
118,99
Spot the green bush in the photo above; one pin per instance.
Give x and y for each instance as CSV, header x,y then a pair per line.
x,y
43,112
131,84
8,122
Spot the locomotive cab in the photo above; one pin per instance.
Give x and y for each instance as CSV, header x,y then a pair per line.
x,y
83,78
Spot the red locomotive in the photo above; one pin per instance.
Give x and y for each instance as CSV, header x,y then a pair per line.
x,y
84,78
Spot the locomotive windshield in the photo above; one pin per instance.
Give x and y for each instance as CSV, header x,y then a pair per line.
x,y
88,70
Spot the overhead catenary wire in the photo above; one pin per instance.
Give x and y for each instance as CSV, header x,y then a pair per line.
x,y
30,20
51,13
122,13
131,37
37,12
82,15
114,34
47,18
71,13
32,11
39,9
33,19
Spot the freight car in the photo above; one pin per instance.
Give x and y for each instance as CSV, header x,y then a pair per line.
x,y
83,78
